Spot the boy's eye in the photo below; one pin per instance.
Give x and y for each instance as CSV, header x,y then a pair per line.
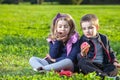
x,y
90,27
84,28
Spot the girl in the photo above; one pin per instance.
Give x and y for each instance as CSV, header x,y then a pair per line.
x,y
63,46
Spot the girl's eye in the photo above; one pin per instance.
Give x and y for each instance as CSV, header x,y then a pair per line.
x,y
59,26
65,26
84,28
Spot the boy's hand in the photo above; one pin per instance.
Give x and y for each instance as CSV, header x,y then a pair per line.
x,y
84,48
117,64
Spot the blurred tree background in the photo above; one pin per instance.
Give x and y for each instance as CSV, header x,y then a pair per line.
x,y
74,2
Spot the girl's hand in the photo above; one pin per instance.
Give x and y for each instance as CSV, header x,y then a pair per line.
x,y
49,57
117,64
61,37
53,60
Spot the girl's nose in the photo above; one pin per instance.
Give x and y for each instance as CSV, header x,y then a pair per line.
x,y
63,28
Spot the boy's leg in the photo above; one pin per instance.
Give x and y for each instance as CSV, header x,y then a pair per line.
x,y
111,70
86,66
36,62
65,64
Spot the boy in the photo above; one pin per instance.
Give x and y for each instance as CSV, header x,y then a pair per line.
x,y
96,54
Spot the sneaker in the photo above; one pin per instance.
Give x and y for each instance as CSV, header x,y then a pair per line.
x,y
35,69
41,70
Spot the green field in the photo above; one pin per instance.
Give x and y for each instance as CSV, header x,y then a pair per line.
x,y
23,32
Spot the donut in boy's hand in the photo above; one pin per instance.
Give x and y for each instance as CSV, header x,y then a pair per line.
x,y
85,48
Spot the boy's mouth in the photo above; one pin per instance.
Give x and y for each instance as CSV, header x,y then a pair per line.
x,y
88,34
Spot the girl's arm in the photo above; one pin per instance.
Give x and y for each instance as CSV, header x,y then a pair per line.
x,y
75,50
73,54
54,49
56,59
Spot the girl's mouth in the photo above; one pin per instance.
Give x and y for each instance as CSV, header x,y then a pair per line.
x,y
60,32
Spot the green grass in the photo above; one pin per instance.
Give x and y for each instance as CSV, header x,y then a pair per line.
x,y
24,29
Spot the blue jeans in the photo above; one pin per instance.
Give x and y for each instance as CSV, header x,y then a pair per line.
x,y
65,64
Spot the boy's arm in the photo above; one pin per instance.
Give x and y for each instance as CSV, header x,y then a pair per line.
x,y
117,64
115,61
112,53
113,56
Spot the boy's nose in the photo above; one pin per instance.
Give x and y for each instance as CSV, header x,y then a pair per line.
x,y
87,30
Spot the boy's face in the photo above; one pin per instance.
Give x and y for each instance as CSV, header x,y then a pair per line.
x,y
63,27
89,30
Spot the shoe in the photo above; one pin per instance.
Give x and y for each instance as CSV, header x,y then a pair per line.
x,y
35,69
117,77
114,78
41,70
102,74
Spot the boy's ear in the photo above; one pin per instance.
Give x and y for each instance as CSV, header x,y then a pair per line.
x,y
97,27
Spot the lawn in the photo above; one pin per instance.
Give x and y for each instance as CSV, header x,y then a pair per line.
x,y
24,29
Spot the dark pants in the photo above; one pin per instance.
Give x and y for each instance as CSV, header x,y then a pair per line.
x,y
86,66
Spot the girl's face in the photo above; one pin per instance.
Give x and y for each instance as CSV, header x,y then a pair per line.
x,y
63,27
89,30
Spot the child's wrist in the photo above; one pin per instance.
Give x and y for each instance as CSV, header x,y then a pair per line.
x,y
115,60
82,54
53,60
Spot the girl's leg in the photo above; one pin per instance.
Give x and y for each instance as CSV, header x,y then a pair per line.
x,y
36,62
65,64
